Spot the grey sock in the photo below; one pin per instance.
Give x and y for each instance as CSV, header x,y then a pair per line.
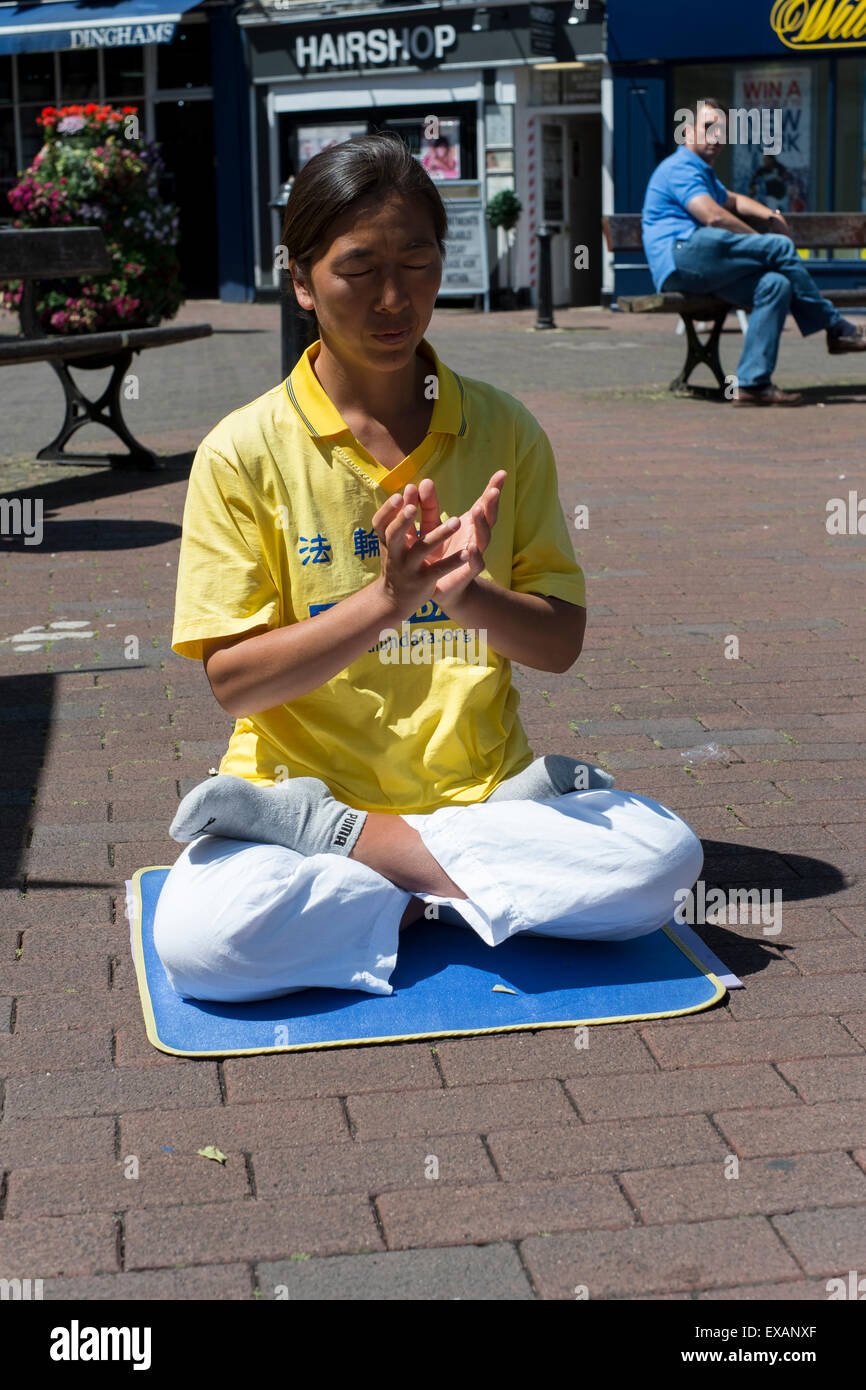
x,y
300,813
549,777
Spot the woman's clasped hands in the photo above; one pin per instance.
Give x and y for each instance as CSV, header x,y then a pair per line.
x,y
438,560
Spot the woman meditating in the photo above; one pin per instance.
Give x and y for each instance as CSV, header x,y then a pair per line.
x,y
333,528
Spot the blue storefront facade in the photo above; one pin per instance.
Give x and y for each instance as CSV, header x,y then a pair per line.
x,y
804,59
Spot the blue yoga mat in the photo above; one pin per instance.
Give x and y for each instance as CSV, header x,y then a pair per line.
x,y
444,984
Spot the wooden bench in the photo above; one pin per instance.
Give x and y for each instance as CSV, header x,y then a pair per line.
x,y
57,253
815,230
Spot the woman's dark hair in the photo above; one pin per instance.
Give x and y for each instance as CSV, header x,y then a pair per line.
x,y
353,172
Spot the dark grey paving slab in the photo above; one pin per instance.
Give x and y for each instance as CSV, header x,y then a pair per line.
x,y
486,1273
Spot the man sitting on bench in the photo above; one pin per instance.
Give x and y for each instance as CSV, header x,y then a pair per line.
x,y
696,243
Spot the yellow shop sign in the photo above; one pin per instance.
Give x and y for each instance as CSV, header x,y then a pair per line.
x,y
820,23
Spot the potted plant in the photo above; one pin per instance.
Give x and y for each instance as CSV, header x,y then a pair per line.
x,y
94,169
504,211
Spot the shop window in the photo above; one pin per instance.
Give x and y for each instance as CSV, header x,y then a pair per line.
x,y
851,135
781,164
553,208
312,139
452,158
31,134
435,142
79,76
8,168
185,62
36,77
124,73
5,79
544,88
581,86
443,141
570,86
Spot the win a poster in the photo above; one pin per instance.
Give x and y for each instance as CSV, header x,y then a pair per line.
x,y
777,167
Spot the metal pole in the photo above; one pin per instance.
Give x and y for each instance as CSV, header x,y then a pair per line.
x,y
294,329
294,335
545,278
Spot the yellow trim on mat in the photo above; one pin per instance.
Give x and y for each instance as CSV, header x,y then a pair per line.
x,y
153,1037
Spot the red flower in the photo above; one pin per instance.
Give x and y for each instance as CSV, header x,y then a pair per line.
x,y
89,109
128,110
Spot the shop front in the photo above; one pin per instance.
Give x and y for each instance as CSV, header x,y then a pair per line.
x,y
453,80
180,64
790,76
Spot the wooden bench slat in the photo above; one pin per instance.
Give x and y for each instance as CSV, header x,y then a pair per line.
x,y
97,344
52,253
815,230
671,304
697,306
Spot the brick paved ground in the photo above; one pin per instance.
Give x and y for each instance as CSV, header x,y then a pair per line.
x,y
604,1167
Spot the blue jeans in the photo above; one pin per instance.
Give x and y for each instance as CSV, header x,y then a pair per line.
x,y
762,272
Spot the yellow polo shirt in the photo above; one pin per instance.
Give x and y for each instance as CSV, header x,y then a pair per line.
x,y
278,525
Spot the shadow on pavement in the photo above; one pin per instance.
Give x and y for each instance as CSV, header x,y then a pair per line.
x,y
854,393
26,707
743,945
98,533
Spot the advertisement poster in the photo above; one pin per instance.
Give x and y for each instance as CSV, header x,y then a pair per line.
x,y
465,270
775,168
312,139
440,156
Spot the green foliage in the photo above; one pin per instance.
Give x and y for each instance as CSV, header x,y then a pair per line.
x,y
504,210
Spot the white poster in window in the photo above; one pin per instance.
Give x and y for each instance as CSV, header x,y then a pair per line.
x,y
313,139
465,269
770,131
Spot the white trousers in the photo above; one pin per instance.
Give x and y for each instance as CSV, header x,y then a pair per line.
x,y
241,921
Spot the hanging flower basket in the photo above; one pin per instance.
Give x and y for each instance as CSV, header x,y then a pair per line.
x,y
95,170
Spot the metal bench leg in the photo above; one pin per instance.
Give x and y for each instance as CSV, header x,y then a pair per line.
x,y
106,410
698,352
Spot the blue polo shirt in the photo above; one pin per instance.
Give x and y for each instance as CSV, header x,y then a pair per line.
x,y
665,219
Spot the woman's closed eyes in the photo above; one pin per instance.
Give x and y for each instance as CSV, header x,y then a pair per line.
x,y
356,274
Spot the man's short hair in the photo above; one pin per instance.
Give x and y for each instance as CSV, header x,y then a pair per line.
x,y
707,102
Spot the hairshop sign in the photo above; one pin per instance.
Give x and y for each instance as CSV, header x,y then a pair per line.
x,y
373,47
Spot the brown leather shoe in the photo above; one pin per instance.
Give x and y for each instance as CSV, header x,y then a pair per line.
x,y
855,342
765,395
